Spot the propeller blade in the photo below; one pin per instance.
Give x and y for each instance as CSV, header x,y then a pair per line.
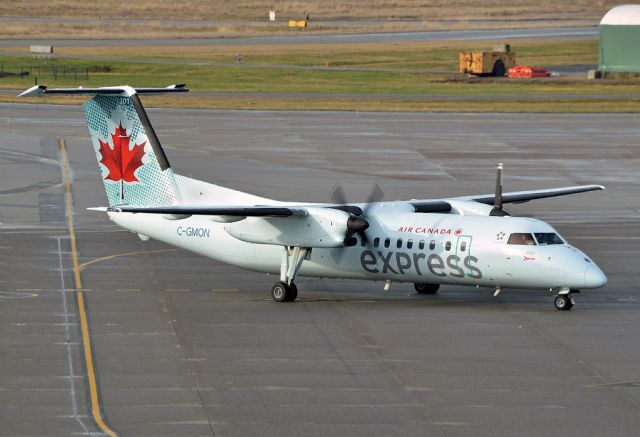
x,y
357,222
377,193
337,195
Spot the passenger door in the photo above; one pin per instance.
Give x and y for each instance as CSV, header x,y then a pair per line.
x,y
463,250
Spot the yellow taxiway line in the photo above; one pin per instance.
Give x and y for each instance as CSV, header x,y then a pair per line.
x,y
84,325
117,255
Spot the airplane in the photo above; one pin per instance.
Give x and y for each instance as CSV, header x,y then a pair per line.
x,y
468,240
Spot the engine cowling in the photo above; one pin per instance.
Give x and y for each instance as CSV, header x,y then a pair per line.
x,y
321,227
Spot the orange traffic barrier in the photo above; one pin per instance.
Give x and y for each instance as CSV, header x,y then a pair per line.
x,y
526,71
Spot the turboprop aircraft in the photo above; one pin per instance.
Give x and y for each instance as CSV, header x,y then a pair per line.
x,y
467,240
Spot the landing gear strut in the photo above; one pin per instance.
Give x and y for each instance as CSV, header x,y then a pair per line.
x,y
563,301
292,257
423,288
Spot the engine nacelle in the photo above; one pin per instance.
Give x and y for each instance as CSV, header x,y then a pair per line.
x,y
322,227
463,207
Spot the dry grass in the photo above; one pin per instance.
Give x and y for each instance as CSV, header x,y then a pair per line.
x,y
203,18
319,10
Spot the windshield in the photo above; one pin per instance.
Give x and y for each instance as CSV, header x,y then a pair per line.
x,y
548,238
521,239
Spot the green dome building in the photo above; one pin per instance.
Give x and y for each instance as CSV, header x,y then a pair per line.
x,y
620,40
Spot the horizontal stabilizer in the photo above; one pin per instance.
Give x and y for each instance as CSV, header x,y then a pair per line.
x,y
125,91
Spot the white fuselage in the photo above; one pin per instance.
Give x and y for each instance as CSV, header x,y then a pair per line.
x,y
402,247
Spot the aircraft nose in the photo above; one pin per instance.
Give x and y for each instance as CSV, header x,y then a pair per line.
x,y
594,278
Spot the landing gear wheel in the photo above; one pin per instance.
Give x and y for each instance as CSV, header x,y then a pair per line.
x,y
282,292
423,288
279,292
563,302
293,293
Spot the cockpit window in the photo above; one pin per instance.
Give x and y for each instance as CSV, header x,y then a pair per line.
x,y
521,239
545,238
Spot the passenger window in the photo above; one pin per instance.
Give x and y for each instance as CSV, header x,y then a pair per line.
x,y
421,245
521,239
409,244
376,242
447,246
432,245
463,246
399,243
387,242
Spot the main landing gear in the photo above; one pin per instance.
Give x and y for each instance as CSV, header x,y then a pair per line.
x,y
423,288
564,300
282,292
292,257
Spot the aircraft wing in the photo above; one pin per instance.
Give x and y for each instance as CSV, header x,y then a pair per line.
x,y
525,196
429,205
441,205
233,211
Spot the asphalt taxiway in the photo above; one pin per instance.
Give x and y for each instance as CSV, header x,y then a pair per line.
x,y
182,345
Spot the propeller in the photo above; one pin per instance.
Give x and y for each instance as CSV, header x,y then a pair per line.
x,y
357,222
497,199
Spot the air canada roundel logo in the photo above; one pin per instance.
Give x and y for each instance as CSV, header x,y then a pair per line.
x,y
122,161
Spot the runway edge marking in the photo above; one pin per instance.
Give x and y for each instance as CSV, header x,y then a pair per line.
x,y
82,312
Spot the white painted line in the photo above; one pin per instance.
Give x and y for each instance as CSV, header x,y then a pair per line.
x,y
72,376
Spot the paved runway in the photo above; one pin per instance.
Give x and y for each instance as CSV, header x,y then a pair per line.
x,y
186,346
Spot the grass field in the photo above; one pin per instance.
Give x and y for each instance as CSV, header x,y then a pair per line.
x,y
268,70
325,9
206,18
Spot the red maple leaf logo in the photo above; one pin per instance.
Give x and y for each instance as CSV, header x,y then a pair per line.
x,y
121,161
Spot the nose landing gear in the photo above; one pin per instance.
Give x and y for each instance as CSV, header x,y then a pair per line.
x,y
564,300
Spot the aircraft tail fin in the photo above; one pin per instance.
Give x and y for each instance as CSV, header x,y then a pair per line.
x,y
133,165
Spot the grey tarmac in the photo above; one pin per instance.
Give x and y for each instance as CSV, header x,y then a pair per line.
x,y
187,346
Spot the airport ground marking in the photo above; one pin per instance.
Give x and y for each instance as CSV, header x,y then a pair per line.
x,y
84,325
117,255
